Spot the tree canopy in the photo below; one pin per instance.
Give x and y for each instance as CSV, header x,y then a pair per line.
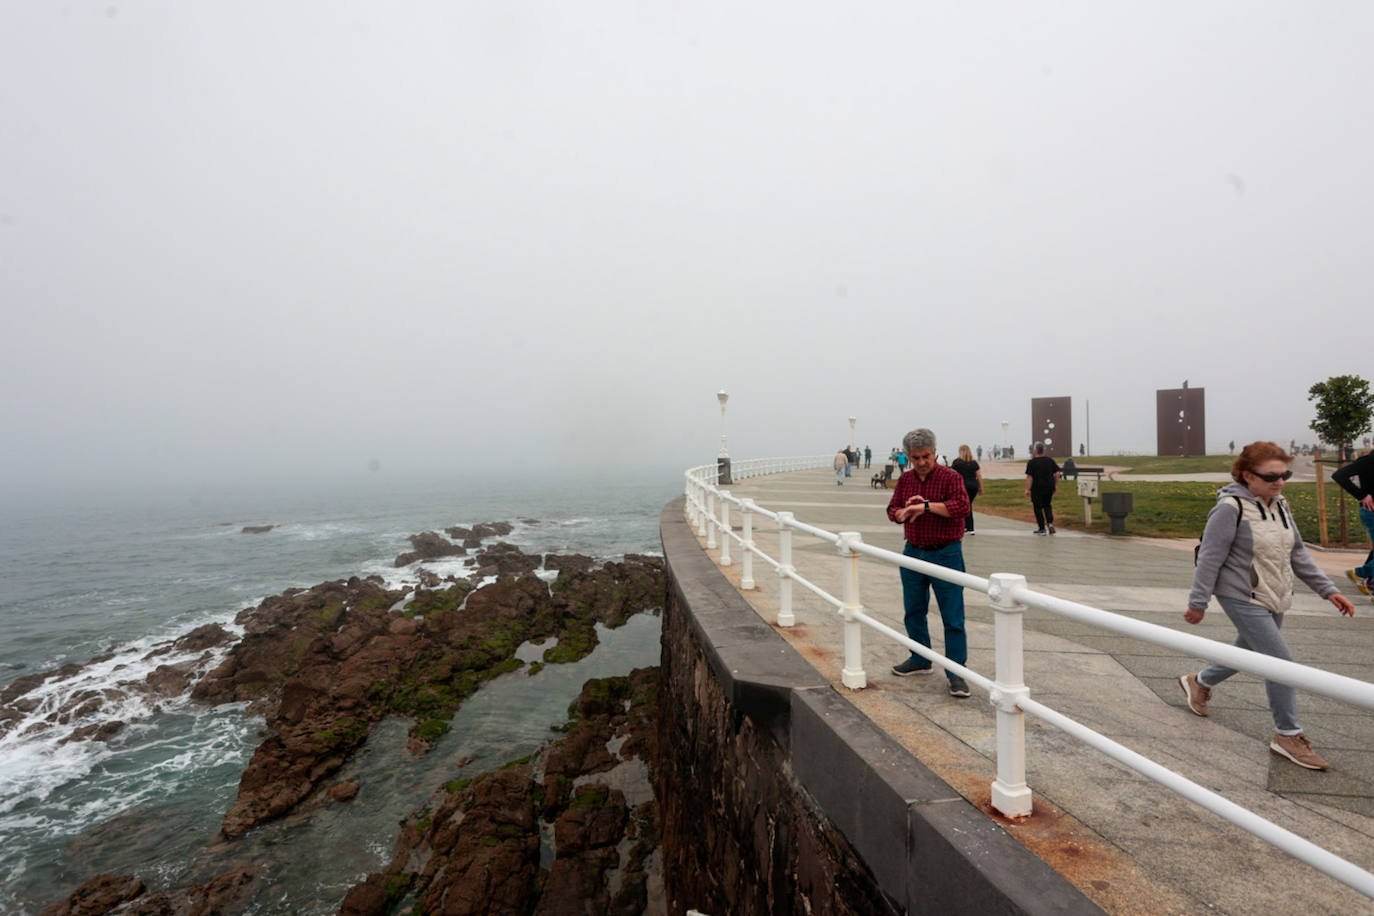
x,y
1344,408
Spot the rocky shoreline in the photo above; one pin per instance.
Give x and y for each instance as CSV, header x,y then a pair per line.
x,y
324,665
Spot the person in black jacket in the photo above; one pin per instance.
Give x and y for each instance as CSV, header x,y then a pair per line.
x,y
1363,470
1042,475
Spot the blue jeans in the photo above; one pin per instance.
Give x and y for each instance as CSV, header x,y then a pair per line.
x,y
1367,519
1258,630
916,588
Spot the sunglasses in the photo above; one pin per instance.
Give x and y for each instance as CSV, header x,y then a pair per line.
x,y
1273,478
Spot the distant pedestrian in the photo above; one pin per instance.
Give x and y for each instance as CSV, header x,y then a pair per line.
x,y
980,453
1363,469
930,504
1250,552
1082,450
971,471
1042,475
1231,447
868,457
841,465
901,461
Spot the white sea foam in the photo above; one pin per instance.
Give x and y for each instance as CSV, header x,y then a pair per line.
x,y
36,757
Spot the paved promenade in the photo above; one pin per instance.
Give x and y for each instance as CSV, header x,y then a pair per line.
x,y
1130,845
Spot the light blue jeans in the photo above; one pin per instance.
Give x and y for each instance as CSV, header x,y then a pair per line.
x,y
1258,630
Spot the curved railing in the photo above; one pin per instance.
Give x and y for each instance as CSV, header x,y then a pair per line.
x,y
708,508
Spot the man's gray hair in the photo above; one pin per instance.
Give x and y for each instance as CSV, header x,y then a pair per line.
x,y
918,439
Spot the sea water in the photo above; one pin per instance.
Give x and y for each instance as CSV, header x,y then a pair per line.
x,y
115,579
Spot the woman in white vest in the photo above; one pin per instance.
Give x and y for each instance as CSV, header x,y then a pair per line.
x,y
1250,553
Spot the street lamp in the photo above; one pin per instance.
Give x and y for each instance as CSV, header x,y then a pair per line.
x,y
722,397
852,421
723,459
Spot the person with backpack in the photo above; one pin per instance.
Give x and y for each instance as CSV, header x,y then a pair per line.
x,y
1250,553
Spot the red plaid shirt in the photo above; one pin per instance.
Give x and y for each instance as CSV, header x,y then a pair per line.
x,y
942,485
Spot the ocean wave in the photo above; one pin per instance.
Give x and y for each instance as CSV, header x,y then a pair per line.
x,y
51,744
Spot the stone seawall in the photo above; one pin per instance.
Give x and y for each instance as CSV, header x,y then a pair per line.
x,y
778,796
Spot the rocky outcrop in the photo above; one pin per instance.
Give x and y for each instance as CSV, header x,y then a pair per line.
x,y
127,895
324,665
477,851
21,701
429,545
256,529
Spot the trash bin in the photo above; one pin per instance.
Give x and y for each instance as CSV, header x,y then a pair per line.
x,y
723,472
1117,506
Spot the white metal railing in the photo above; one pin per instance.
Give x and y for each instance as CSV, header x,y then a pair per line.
x,y
708,508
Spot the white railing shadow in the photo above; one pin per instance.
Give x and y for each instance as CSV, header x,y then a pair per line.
x,y
708,507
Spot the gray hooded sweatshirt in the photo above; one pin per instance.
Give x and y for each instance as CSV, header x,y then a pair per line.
x,y
1253,558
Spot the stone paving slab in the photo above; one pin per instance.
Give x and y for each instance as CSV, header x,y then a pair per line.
x,y
1132,846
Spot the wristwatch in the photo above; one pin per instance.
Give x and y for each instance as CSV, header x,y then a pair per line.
x,y
927,502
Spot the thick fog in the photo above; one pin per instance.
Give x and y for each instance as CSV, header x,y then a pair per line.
x,y
260,240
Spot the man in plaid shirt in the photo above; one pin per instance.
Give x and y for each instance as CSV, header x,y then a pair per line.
x,y
930,502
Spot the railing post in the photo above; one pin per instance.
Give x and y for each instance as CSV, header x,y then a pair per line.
x,y
710,519
785,570
724,528
852,676
746,578
1010,794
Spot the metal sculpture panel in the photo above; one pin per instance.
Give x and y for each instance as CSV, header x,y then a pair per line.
x,y
1052,424
1180,421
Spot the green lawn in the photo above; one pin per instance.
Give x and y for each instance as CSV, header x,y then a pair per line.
x,y
1170,509
1150,464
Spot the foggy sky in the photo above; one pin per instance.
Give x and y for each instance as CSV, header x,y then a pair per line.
x,y
274,239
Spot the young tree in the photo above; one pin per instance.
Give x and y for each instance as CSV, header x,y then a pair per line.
x,y
1344,408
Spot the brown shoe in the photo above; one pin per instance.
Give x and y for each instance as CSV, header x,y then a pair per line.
x,y
1195,694
1299,750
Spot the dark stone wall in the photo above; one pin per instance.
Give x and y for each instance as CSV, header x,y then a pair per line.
x,y
777,796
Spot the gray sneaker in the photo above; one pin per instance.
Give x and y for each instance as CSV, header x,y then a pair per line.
x,y
957,687
910,667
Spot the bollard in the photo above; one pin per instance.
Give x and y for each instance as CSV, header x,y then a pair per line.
x,y
724,528
852,676
1010,794
785,570
746,579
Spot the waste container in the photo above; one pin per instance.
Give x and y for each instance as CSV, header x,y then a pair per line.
x,y
1117,506
723,472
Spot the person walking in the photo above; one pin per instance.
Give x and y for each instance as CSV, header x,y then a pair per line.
x,y
841,465
1250,552
930,504
1363,470
868,457
1042,475
971,471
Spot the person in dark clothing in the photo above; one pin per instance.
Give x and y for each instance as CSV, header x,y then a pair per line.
x,y
1363,470
868,457
970,470
1042,474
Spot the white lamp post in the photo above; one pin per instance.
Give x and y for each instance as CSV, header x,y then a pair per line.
x,y
722,397
852,421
